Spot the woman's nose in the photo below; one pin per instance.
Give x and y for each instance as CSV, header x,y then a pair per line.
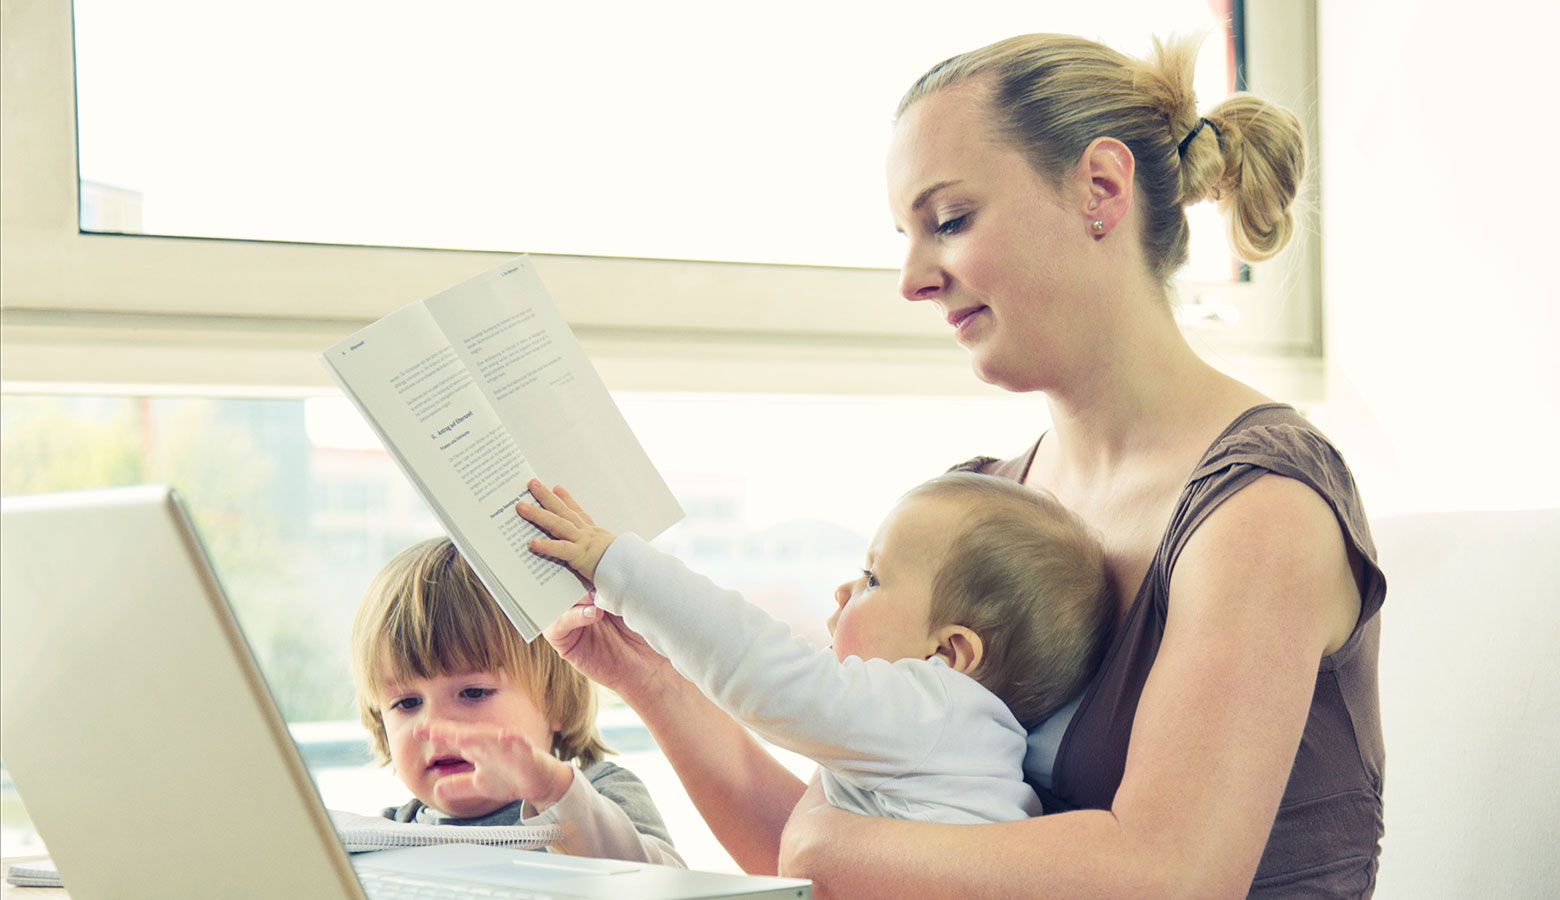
x,y
920,278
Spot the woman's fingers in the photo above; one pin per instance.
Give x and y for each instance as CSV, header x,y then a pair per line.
x,y
568,628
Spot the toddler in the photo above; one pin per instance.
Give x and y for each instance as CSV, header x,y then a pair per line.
x,y
481,727
983,608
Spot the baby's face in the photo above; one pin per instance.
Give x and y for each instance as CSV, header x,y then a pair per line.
x,y
885,612
473,702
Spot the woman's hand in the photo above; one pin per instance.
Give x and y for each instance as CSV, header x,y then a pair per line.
x,y
592,640
743,793
812,846
807,827
607,651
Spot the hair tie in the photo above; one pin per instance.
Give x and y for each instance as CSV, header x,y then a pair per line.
x,y
1218,135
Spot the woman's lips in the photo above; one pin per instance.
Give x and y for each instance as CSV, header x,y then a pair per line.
x,y
961,319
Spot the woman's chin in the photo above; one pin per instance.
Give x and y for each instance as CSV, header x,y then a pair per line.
x,y
998,373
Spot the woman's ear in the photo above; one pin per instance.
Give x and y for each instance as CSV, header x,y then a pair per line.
x,y
1107,167
959,647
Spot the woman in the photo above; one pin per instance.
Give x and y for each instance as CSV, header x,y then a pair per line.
x,y
1230,744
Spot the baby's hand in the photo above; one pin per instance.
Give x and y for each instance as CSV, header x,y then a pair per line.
x,y
494,765
577,541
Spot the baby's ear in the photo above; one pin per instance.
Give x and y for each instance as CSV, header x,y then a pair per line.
x,y
959,647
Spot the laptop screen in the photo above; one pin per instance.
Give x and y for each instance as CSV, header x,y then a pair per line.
x,y
134,722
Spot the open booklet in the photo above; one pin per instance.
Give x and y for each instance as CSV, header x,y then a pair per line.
x,y
359,834
478,389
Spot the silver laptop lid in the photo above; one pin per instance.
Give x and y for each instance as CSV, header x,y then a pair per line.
x,y
133,720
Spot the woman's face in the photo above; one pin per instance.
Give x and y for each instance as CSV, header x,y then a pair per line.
x,y
999,250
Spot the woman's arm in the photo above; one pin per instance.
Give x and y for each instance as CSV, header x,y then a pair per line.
x,y
855,857
743,793
1262,591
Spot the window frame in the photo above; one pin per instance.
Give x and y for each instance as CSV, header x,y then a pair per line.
x,y
155,314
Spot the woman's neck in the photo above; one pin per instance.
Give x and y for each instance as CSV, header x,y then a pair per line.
x,y
1142,397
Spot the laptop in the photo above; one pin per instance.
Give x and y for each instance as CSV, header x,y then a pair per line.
x,y
136,727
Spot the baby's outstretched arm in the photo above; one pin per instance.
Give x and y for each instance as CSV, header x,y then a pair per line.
x,y
577,541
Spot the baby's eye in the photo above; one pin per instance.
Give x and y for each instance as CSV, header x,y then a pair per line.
x,y
406,704
872,581
477,693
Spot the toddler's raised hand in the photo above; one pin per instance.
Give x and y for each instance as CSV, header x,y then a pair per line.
x,y
577,541
499,766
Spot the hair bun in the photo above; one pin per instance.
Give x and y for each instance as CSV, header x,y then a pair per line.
x,y
1051,95
1263,162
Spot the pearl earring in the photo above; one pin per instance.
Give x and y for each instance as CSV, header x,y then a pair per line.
x,y
1098,226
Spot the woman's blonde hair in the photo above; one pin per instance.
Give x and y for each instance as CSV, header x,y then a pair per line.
x,y
426,615
1052,95
1028,576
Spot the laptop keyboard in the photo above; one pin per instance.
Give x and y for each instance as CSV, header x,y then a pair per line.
x,y
400,886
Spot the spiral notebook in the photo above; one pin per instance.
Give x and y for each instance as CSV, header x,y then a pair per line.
x,y
153,762
360,834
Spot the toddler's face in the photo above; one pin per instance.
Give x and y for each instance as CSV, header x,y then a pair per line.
x,y
471,701
885,612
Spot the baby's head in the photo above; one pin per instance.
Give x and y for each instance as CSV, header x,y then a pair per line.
x,y
427,615
1001,581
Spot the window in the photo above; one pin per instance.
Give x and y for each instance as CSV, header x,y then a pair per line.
x,y
605,129
247,314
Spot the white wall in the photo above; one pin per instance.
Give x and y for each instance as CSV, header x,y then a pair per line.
x,y
1438,130
1439,199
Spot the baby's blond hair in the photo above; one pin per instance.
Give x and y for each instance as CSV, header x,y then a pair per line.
x,y
1028,576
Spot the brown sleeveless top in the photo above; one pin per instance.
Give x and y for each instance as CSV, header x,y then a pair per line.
x,y
1325,840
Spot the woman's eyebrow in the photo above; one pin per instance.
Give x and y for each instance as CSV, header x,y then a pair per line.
x,y
921,198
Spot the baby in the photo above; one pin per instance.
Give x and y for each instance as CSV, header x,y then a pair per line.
x,y
983,608
482,728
